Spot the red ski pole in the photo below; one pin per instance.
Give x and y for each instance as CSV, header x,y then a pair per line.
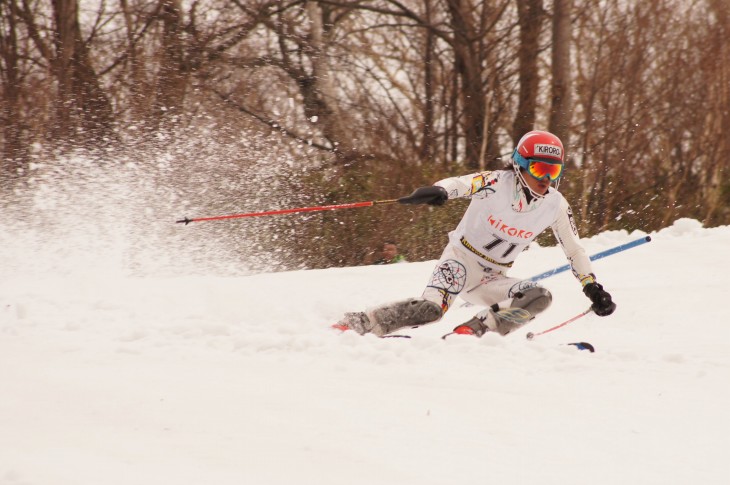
x,y
531,335
352,205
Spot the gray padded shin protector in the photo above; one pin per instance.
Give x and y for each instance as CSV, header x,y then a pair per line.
x,y
406,313
535,300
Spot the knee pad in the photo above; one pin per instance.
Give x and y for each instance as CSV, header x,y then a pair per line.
x,y
406,313
535,300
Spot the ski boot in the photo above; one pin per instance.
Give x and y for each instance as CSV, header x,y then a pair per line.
x,y
388,318
491,320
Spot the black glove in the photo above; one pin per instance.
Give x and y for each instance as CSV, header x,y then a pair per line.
x,y
431,195
603,305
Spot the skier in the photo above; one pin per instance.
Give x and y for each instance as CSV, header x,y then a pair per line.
x,y
509,208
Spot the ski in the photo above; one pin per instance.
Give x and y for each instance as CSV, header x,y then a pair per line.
x,y
583,346
578,345
344,328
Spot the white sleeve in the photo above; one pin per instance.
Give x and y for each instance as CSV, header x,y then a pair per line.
x,y
474,184
566,232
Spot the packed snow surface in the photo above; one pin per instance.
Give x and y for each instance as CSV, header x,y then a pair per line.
x,y
110,378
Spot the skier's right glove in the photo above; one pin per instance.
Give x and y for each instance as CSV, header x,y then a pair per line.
x,y
431,195
603,305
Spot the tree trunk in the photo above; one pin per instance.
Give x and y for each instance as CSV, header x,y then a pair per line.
x,y
715,182
171,78
13,154
468,67
320,99
531,15
561,107
83,110
428,86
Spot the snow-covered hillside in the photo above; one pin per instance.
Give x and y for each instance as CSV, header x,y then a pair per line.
x,y
112,379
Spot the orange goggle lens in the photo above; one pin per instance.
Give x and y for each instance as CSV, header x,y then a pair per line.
x,y
541,170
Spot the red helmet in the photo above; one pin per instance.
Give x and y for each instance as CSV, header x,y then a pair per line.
x,y
539,154
541,145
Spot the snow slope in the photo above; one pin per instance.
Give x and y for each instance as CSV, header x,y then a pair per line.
x,y
115,379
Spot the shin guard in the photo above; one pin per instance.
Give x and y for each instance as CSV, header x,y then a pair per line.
x,y
406,313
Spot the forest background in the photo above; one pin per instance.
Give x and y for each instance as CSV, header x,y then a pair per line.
x,y
210,107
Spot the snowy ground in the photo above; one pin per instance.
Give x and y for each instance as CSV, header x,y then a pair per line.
x,y
107,378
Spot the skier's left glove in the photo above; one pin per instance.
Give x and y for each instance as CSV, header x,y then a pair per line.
x,y
603,305
431,195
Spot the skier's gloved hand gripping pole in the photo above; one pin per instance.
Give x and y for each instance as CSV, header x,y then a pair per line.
x,y
602,303
432,195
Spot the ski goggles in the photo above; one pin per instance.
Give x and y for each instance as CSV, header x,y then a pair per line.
x,y
540,169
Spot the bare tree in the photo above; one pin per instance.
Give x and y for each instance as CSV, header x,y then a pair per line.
x,y
301,41
531,15
561,106
83,109
715,188
11,118
172,74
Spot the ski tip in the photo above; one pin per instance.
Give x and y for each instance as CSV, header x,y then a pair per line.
x,y
583,346
340,326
